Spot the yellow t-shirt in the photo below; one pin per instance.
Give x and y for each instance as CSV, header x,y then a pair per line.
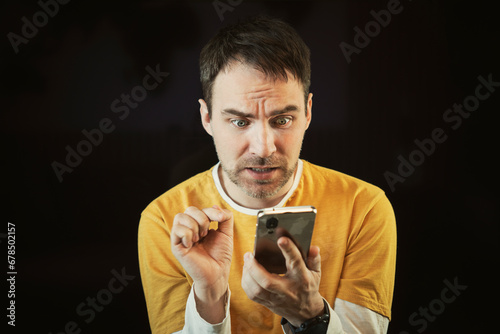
x,y
355,230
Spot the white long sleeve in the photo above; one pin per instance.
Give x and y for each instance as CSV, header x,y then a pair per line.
x,y
334,326
195,324
350,318
345,318
357,319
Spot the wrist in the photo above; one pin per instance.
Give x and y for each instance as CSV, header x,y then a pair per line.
x,y
316,325
317,308
211,305
211,294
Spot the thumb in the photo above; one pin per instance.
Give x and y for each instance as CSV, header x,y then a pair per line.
x,y
226,221
314,259
295,264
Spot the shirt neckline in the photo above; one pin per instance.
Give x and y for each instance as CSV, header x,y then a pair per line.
x,y
248,211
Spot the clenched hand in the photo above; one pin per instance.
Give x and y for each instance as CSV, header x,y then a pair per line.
x,y
295,295
205,255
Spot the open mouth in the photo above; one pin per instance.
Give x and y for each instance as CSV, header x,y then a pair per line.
x,y
261,173
262,170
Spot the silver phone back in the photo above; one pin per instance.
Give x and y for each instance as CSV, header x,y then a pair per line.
x,y
296,223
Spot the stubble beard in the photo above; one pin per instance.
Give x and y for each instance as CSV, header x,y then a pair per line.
x,y
260,189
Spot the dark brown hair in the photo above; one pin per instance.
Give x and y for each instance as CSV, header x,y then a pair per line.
x,y
269,45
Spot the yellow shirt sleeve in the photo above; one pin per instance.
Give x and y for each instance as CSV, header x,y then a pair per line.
x,y
367,277
163,278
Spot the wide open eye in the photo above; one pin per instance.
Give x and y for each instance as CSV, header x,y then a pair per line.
x,y
239,123
282,121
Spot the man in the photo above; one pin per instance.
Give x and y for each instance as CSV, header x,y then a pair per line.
x,y
196,240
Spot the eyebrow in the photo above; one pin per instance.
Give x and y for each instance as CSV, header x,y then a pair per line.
x,y
288,108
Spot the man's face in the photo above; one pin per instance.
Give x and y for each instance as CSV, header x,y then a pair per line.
x,y
258,126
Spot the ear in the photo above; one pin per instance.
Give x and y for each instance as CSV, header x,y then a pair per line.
x,y
205,117
309,110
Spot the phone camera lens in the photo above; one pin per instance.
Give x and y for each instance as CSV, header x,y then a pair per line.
x,y
272,223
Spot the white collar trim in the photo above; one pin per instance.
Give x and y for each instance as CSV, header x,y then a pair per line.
x,y
253,212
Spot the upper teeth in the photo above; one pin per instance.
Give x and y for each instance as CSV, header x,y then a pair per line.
x,y
261,169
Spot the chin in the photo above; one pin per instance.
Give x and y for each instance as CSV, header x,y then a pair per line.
x,y
261,190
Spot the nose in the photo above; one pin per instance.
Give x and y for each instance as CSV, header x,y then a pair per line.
x,y
262,141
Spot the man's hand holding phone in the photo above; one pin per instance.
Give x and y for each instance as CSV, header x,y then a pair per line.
x,y
295,295
205,255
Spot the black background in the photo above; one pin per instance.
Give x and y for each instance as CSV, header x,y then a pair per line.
x,y
70,235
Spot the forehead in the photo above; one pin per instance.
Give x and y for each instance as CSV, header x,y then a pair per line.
x,y
241,83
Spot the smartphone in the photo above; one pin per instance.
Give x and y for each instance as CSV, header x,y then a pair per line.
x,y
294,222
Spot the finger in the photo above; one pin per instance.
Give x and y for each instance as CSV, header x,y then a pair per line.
x,y
224,217
252,289
189,222
269,296
293,258
314,259
182,235
198,222
262,278
175,238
